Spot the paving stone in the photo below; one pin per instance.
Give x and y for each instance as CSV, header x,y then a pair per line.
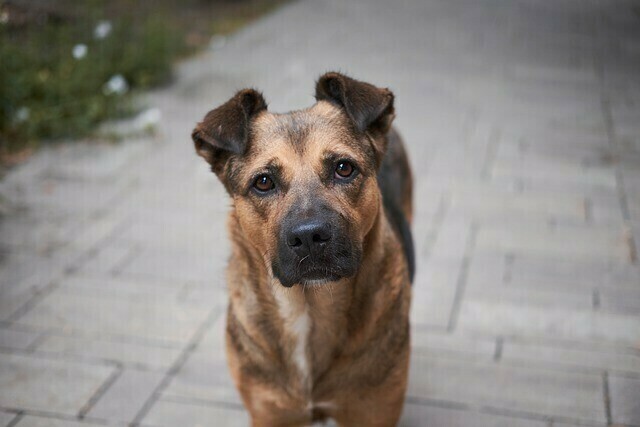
x,y
625,400
509,317
129,354
421,415
483,202
427,198
423,231
624,301
558,424
605,209
577,244
204,294
554,148
96,232
22,276
169,191
434,292
602,359
490,267
169,413
126,396
457,160
5,418
35,421
540,282
205,375
107,260
40,384
192,232
16,339
550,186
456,345
28,233
634,211
151,318
95,162
597,273
121,287
586,150
490,278
16,266
526,390
532,293
559,174
60,198
452,239
214,338
173,264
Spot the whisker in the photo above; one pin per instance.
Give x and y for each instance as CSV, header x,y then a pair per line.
x,y
331,291
302,259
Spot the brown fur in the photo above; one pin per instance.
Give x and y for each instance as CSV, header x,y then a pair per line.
x,y
356,339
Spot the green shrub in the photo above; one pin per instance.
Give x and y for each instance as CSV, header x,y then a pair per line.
x,y
46,93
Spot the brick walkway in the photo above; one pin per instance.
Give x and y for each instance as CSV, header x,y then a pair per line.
x,y
523,123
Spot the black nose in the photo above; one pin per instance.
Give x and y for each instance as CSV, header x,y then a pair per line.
x,y
308,237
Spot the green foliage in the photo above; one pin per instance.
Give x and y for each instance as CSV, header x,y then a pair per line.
x,y
47,93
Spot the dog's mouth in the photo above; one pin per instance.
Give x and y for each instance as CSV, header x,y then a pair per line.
x,y
319,276
313,275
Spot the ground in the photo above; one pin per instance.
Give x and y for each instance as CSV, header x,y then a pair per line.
x,y
522,119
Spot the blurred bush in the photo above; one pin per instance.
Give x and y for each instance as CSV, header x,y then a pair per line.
x,y
60,78
67,65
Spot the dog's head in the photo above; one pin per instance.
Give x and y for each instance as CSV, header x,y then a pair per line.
x,y
303,184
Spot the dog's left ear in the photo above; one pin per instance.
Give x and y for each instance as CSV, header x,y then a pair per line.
x,y
369,107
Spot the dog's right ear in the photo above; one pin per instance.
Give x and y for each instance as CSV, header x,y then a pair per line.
x,y
369,107
225,130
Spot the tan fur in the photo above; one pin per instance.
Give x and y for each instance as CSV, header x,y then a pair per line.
x,y
357,346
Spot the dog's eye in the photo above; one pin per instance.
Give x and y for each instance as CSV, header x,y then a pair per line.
x,y
263,184
344,169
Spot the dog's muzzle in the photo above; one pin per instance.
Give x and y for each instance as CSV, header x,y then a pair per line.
x,y
314,248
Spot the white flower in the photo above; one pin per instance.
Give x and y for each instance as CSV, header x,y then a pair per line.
x,y
22,115
149,119
79,51
4,17
102,30
116,85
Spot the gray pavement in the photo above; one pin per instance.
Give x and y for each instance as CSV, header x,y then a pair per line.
x,y
522,119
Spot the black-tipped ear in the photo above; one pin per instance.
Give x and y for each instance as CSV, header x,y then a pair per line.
x,y
369,107
225,130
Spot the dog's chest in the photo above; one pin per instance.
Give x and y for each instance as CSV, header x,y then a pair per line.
x,y
300,330
311,332
301,333
297,330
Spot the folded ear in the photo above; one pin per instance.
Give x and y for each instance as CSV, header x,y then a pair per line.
x,y
369,107
225,130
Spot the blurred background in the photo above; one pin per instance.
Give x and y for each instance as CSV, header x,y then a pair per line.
x,y
522,120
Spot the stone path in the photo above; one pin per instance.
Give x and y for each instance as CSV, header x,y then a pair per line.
x,y
523,123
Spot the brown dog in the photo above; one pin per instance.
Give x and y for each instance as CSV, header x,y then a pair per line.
x,y
319,276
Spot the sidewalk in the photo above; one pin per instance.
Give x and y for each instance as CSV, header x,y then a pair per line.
x,y
522,119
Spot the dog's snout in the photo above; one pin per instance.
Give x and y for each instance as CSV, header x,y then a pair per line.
x,y
309,236
314,246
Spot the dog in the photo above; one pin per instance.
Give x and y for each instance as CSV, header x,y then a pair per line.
x,y
321,266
